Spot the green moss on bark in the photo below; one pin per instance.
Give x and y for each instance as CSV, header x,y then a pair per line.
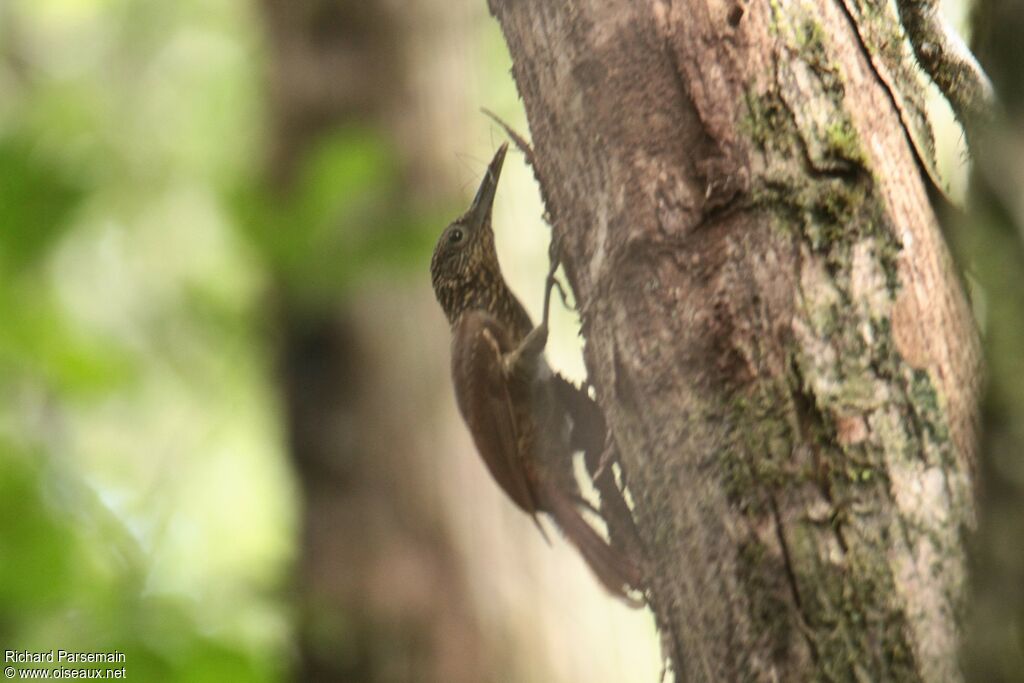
x,y
852,394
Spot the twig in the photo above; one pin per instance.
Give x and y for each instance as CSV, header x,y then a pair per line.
x,y
951,66
520,141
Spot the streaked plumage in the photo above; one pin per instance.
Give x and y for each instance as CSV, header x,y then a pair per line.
x,y
512,403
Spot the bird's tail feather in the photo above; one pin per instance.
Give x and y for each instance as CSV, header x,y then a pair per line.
x,y
616,573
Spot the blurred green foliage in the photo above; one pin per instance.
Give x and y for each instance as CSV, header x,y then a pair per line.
x,y
145,504
351,178
35,201
72,576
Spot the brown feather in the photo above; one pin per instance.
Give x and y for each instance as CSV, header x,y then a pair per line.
x,y
615,572
526,422
482,394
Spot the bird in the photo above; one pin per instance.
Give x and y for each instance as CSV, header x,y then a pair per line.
x,y
518,411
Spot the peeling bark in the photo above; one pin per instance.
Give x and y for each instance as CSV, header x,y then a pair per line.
x,y
774,328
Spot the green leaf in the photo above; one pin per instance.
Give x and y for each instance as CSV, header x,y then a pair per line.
x,y
36,201
37,565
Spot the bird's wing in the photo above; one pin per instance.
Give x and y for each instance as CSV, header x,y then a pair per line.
x,y
481,390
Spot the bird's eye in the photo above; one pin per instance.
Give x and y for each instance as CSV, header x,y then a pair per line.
x,y
455,236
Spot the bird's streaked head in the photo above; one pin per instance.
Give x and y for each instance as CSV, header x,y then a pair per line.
x,y
465,261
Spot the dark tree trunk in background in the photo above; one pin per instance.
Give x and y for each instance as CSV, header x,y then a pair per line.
x,y
379,591
774,327
991,243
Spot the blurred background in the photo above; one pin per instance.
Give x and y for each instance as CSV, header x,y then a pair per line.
x,y
228,444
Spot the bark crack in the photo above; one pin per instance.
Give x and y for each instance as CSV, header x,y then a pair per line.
x,y
802,624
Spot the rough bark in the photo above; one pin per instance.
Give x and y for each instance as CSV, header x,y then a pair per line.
x,y
773,325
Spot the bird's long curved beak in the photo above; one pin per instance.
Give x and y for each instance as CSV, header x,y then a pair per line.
x,y
480,210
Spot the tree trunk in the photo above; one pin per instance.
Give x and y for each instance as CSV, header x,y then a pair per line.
x,y
773,325
380,592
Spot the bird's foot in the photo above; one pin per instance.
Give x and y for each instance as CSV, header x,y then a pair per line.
x,y
605,461
554,249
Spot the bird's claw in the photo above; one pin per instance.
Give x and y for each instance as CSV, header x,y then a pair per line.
x,y
605,460
552,282
554,253
553,250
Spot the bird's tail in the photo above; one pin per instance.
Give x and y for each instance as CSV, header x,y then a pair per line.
x,y
616,573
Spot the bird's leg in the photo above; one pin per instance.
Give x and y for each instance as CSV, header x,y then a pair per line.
x,y
561,294
527,353
554,248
